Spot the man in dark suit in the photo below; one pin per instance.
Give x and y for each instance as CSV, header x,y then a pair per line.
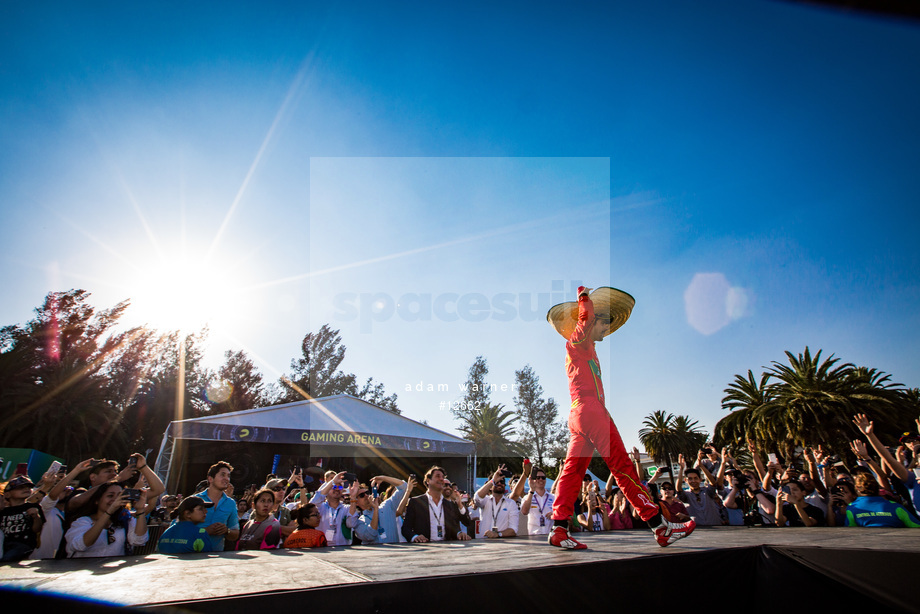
x,y
433,517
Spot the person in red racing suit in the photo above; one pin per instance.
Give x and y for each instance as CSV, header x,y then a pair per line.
x,y
591,427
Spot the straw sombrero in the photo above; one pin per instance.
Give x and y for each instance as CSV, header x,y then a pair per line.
x,y
608,303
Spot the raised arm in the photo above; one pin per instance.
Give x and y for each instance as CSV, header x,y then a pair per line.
x,y
525,504
377,479
326,487
518,491
867,428
859,449
758,462
484,491
706,472
410,485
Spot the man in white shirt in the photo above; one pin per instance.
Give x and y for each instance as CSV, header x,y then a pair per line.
x,y
328,501
499,514
537,505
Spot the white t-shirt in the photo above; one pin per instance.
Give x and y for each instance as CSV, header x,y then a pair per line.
x,y
101,547
540,507
501,515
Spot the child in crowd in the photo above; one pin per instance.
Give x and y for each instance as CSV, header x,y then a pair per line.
x,y
20,522
188,534
306,535
262,531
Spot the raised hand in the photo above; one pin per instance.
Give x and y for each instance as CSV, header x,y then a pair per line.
x,y
859,449
863,424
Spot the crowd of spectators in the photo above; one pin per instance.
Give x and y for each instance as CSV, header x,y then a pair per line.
x,y
101,509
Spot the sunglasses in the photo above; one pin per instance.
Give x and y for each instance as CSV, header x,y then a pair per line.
x,y
361,495
278,488
539,477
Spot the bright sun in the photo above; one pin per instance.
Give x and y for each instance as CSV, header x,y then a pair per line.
x,y
182,294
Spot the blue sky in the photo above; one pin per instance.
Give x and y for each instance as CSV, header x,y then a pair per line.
x,y
759,155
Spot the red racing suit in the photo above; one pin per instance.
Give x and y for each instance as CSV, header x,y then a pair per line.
x,y
591,427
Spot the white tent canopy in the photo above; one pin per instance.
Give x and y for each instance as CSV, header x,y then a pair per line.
x,y
341,422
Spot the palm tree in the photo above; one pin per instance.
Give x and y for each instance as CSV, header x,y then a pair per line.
x,y
689,436
490,427
743,398
814,401
658,438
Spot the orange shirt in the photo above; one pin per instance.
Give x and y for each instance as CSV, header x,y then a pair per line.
x,y
305,538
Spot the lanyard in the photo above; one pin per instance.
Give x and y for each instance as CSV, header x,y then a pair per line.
x,y
334,517
437,511
541,505
496,509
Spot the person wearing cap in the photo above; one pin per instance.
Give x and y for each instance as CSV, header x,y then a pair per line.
x,y
189,534
21,522
280,488
165,512
590,425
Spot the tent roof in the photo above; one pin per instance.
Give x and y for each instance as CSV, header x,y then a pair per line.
x,y
335,420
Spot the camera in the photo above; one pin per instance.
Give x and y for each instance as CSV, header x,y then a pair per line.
x,y
133,494
739,477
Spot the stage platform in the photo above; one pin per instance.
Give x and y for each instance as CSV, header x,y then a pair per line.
x,y
851,567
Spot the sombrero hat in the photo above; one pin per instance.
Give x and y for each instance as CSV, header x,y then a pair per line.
x,y
609,303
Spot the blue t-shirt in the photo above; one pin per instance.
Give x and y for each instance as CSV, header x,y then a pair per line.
x,y
387,531
224,511
879,512
184,537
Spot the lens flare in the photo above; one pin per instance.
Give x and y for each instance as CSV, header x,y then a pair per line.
x,y
712,303
218,390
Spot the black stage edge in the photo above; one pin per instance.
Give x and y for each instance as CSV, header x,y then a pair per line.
x,y
755,579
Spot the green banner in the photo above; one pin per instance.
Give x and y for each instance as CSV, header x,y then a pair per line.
x,y
36,462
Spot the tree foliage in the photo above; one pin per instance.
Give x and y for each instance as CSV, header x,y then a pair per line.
x,y
476,391
810,401
541,433
317,373
238,386
54,389
665,436
491,428
74,385
172,387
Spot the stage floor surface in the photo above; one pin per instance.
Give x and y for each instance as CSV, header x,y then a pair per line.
x,y
160,579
